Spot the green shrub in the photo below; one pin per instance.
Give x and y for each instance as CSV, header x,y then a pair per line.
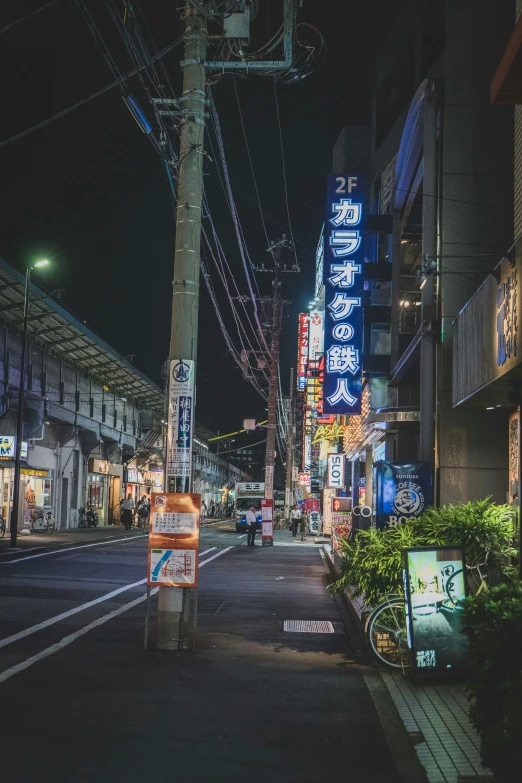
x,y
493,621
372,559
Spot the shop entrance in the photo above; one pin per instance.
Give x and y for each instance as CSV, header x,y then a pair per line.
x,y
114,500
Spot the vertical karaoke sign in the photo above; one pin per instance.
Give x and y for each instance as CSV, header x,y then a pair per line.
x,y
344,287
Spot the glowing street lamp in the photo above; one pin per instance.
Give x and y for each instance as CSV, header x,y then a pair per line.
x,y
20,413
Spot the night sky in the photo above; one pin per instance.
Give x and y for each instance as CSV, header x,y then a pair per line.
x,y
89,192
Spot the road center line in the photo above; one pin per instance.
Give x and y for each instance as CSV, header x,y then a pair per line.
x,y
20,667
72,548
56,619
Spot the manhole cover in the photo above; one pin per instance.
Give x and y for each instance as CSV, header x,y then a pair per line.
x,y
308,626
209,606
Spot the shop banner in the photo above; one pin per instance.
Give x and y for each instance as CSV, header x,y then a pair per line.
x,y
305,479
180,418
344,253
302,351
267,519
316,337
435,589
335,473
401,491
173,539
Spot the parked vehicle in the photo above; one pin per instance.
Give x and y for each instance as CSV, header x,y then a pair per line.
x,y
248,494
44,521
88,518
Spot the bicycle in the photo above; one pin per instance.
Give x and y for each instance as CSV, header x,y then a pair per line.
x,y
2,526
386,633
44,521
385,629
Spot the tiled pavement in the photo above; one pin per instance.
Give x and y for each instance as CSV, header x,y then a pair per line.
x,y
439,713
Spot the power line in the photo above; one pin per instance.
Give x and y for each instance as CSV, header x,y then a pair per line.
x,y
102,91
28,16
284,170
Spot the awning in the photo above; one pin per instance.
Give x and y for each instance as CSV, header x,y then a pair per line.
x,y
25,468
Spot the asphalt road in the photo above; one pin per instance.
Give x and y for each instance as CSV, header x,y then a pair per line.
x,y
82,702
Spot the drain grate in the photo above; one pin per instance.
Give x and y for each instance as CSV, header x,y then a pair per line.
x,y
308,626
208,606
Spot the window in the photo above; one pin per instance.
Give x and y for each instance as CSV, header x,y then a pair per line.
x,y
96,490
75,478
380,341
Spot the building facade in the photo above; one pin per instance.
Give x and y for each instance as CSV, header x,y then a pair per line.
x,y
94,425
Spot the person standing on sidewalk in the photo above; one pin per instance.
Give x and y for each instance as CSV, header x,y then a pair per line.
x,y
251,521
295,516
203,514
128,508
304,524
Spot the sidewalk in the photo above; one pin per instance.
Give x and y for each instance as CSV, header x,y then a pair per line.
x,y
435,717
39,542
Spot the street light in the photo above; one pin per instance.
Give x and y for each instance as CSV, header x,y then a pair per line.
x,y
20,414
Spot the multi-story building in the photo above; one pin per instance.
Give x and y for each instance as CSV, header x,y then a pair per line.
x,y
93,423
442,171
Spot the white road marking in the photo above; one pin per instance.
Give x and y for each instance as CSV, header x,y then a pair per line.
x,y
69,639
8,673
72,548
56,619
243,536
222,552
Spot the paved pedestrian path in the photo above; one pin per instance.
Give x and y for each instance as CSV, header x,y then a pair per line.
x,y
437,717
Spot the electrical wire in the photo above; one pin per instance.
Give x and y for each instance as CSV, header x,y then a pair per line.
x,y
29,16
284,172
102,91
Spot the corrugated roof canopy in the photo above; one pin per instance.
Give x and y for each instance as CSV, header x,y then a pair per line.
x,y
54,328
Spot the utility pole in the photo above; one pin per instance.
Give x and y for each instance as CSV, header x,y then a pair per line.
x,y
177,606
290,446
276,248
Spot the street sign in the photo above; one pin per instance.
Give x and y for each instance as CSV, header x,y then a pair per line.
x,y
269,482
305,479
341,504
267,523
180,418
344,257
173,539
435,587
335,474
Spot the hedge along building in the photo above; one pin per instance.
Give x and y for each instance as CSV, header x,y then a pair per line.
x,y
487,358
443,170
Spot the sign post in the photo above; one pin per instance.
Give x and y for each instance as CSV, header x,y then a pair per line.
x,y
267,522
173,556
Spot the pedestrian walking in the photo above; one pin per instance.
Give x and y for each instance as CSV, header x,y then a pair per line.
x,y
203,511
295,516
212,510
128,508
143,511
251,521
303,525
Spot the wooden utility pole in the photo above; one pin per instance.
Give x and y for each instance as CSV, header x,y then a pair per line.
x,y
177,606
290,447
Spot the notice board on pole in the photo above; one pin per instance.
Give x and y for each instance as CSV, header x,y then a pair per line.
x,y
173,539
267,518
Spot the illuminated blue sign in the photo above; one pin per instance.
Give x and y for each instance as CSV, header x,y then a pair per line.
x,y
401,491
344,285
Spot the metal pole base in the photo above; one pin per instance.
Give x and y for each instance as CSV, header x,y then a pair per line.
x,y
267,542
170,607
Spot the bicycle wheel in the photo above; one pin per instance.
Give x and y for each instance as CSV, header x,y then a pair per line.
x,y
386,634
38,525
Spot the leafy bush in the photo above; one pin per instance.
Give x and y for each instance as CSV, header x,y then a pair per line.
x,y
372,559
493,621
